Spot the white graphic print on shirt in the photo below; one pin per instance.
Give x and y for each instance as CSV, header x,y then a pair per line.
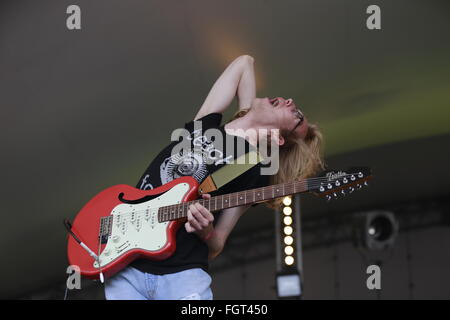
x,y
193,163
145,185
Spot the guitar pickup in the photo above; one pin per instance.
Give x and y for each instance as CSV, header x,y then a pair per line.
x,y
104,238
105,229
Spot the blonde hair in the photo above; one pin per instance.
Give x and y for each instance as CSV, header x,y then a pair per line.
x,y
299,158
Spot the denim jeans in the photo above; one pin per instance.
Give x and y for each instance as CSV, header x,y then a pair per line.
x,y
132,284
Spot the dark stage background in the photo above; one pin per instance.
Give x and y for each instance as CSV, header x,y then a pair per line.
x,y
85,109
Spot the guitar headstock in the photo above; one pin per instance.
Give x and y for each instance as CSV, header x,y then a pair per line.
x,y
333,184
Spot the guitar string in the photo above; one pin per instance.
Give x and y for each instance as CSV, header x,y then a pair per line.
x,y
182,208
289,185
235,194
313,185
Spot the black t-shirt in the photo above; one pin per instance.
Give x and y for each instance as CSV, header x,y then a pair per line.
x,y
208,154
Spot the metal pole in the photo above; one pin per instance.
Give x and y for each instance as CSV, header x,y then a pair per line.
x,y
299,238
278,239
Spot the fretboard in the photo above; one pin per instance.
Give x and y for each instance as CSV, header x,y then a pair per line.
x,y
235,199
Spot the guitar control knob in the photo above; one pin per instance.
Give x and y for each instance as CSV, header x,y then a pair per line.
x,y
345,180
337,183
115,239
329,186
353,178
360,175
321,189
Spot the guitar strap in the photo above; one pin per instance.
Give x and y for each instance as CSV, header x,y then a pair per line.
x,y
230,171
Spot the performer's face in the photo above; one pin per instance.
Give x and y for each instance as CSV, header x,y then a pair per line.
x,y
285,115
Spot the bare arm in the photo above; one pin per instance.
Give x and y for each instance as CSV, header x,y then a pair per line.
x,y
223,228
200,222
238,78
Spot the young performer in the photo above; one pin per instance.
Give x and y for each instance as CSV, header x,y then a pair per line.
x,y
184,274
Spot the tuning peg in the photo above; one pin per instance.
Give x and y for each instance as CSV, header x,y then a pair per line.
x,y
359,186
351,189
328,197
335,195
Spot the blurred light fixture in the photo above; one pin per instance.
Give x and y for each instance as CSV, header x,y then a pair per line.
x,y
288,285
289,260
288,273
288,250
287,211
288,231
288,240
287,221
375,230
287,201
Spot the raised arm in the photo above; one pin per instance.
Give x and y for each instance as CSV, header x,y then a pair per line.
x,y
238,78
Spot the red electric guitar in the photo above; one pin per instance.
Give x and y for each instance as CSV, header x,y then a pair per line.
x,y
122,223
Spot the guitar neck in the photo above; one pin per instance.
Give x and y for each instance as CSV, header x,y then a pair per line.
x,y
234,199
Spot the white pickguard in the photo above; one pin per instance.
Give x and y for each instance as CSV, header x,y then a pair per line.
x,y
136,226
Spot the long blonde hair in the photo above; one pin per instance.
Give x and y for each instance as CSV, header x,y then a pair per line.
x,y
299,158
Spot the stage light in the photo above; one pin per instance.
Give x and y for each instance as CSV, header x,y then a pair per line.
x,y
288,240
288,286
288,250
381,228
289,260
375,230
287,211
288,279
287,221
287,201
288,231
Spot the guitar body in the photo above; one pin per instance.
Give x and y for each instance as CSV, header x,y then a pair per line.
x,y
134,230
